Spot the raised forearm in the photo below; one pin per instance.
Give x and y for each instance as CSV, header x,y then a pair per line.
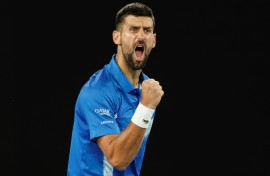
x,y
120,150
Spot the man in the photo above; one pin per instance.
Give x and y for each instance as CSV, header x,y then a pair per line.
x,y
116,107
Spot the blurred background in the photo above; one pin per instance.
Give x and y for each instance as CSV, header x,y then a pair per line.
x,y
211,57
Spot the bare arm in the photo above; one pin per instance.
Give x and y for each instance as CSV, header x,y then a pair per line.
x,y
121,149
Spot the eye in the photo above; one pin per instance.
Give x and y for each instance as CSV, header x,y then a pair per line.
x,y
133,29
148,30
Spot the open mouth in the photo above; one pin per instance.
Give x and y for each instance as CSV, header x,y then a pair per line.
x,y
139,52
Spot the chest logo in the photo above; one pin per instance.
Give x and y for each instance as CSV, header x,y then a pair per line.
x,y
103,111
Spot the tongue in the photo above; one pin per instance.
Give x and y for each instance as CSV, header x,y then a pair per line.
x,y
139,55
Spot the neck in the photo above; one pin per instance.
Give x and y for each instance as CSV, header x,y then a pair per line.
x,y
132,75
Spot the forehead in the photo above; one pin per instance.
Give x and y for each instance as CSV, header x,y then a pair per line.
x,y
138,21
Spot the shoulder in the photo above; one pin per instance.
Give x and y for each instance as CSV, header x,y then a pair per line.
x,y
99,86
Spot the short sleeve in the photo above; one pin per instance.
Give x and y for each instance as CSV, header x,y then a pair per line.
x,y
97,110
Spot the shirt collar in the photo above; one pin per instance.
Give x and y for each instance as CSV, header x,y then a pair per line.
x,y
119,76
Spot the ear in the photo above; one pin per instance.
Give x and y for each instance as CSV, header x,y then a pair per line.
x,y
154,42
116,37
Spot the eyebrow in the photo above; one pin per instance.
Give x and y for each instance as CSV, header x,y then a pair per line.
x,y
138,26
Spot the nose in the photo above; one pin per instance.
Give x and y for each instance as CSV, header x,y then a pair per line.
x,y
141,35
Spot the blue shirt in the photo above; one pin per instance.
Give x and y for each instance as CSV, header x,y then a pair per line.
x,y
105,105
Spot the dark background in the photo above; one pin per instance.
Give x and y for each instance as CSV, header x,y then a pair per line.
x,y
212,59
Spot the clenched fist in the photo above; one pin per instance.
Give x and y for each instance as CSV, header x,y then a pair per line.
x,y
151,93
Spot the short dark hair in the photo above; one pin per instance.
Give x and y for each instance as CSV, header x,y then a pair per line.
x,y
135,9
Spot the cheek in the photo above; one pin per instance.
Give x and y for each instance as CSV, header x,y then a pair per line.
x,y
150,39
127,36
